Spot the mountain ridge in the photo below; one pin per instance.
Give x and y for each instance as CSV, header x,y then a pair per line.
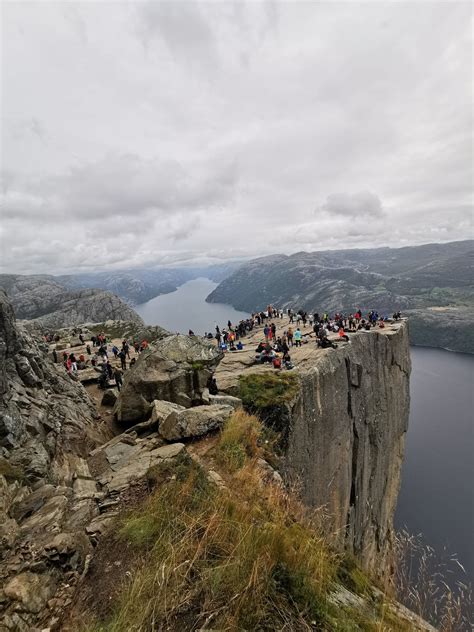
x,y
413,279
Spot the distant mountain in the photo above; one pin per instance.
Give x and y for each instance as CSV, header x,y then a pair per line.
x,y
417,280
134,286
60,301
42,299
140,286
34,296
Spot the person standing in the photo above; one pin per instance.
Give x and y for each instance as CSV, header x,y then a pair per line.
x,y
297,337
123,360
118,378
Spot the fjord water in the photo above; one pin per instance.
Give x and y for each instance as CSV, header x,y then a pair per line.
x,y
436,493
436,496
186,309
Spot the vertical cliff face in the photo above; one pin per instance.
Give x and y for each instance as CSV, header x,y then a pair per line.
x,y
346,435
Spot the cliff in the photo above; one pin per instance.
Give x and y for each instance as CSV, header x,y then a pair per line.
x,y
343,431
346,438
82,505
50,305
432,283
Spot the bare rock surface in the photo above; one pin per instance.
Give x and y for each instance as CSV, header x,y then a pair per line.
x,y
30,590
345,430
42,299
175,370
195,422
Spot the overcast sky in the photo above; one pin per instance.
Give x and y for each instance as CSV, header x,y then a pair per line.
x,y
141,133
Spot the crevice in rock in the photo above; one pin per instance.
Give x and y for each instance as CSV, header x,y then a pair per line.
x,y
349,394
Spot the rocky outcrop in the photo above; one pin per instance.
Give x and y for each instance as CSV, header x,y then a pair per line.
x,y
47,425
343,432
195,422
43,412
176,370
89,306
43,299
346,435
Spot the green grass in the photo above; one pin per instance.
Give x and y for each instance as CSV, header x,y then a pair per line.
x,y
260,390
238,441
246,557
352,577
237,557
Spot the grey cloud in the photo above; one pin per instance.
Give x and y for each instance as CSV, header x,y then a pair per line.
x,y
353,205
164,132
183,29
123,185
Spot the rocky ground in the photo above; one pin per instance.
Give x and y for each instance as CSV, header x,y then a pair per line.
x,y
67,468
237,363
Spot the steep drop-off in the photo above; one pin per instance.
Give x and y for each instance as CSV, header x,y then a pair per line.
x,y
343,432
65,484
346,438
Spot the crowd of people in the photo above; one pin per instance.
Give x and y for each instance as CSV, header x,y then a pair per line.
x,y
275,349
98,355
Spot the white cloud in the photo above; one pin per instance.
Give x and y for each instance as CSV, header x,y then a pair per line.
x,y
136,133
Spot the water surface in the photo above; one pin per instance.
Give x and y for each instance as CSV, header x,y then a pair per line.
x,y
436,495
186,309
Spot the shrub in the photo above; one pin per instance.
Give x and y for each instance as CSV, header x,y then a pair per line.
x,y
260,390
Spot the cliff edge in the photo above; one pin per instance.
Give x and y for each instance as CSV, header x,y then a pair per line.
x,y
343,430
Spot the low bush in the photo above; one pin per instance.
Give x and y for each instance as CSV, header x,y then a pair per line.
x,y
260,390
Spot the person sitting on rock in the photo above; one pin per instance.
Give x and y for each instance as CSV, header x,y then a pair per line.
x,y
260,347
133,362
240,346
342,334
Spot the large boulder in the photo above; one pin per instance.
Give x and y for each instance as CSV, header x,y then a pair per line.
x,y
195,422
176,370
30,591
227,400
